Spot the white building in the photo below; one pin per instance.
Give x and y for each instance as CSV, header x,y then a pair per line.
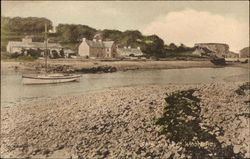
x,y
128,51
27,43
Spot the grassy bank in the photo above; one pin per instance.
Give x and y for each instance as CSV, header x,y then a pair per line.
x,y
10,58
71,66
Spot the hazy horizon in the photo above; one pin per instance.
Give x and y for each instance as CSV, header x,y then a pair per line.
x,y
178,22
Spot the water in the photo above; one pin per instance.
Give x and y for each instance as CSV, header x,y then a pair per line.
x,y
14,92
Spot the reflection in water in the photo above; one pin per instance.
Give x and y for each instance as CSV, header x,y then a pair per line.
x,y
13,92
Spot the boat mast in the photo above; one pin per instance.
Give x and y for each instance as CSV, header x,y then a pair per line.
x,y
46,49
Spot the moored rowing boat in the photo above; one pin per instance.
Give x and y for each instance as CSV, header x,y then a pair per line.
x,y
49,78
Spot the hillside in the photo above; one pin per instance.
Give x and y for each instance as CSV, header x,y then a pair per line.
x,y
244,52
16,28
70,35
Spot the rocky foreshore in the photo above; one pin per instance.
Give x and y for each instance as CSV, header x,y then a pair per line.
x,y
92,66
118,123
98,66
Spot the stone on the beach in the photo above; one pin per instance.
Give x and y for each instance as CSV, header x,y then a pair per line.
x,y
118,123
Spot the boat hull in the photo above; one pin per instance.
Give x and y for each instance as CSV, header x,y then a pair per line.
x,y
27,80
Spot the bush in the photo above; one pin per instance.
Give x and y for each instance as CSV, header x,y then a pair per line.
x,y
34,53
26,58
15,55
62,53
55,54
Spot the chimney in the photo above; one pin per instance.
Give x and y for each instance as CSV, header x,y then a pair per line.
x,y
138,48
83,39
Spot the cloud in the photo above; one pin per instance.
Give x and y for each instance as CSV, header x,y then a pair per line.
x,y
189,26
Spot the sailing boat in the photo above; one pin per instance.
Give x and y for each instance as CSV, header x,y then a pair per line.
x,y
48,78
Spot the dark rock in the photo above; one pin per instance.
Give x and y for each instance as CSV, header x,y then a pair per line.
x,y
45,152
105,153
218,61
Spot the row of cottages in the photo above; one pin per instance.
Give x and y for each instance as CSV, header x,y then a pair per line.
x,y
129,52
97,49
105,49
88,48
27,43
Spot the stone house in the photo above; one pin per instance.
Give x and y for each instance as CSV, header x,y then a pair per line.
x,y
213,49
27,43
97,49
128,51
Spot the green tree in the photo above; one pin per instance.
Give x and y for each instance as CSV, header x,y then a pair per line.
x,y
172,46
73,33
153,46
29,25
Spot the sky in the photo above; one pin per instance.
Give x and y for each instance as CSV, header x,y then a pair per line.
x,y
186,22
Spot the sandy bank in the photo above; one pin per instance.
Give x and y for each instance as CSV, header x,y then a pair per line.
x,y
117,123
77,65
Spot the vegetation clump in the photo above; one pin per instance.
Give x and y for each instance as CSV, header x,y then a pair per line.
x,y
180,120
16,57
181,123
241,90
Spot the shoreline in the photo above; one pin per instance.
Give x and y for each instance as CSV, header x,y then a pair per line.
x,y
117,122
90,66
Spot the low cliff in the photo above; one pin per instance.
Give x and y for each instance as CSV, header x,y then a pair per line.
x,y
244,53
211,49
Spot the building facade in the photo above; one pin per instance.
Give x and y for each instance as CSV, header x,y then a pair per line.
x,y
97,49
27,43
128,51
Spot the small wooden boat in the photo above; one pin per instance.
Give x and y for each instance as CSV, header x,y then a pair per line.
x,y
49,78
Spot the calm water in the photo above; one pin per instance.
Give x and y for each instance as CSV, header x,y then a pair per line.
x,y
14,92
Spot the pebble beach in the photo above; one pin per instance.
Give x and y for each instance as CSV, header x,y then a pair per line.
x,y
118,123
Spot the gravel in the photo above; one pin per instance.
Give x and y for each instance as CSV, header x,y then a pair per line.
x,y
117,123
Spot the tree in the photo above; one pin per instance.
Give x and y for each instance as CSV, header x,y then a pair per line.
x,y
153,45
33,53
73,33
172,46
25,25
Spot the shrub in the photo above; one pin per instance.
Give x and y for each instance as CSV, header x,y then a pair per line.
x,y
15,55
55,54
62,53
33,52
